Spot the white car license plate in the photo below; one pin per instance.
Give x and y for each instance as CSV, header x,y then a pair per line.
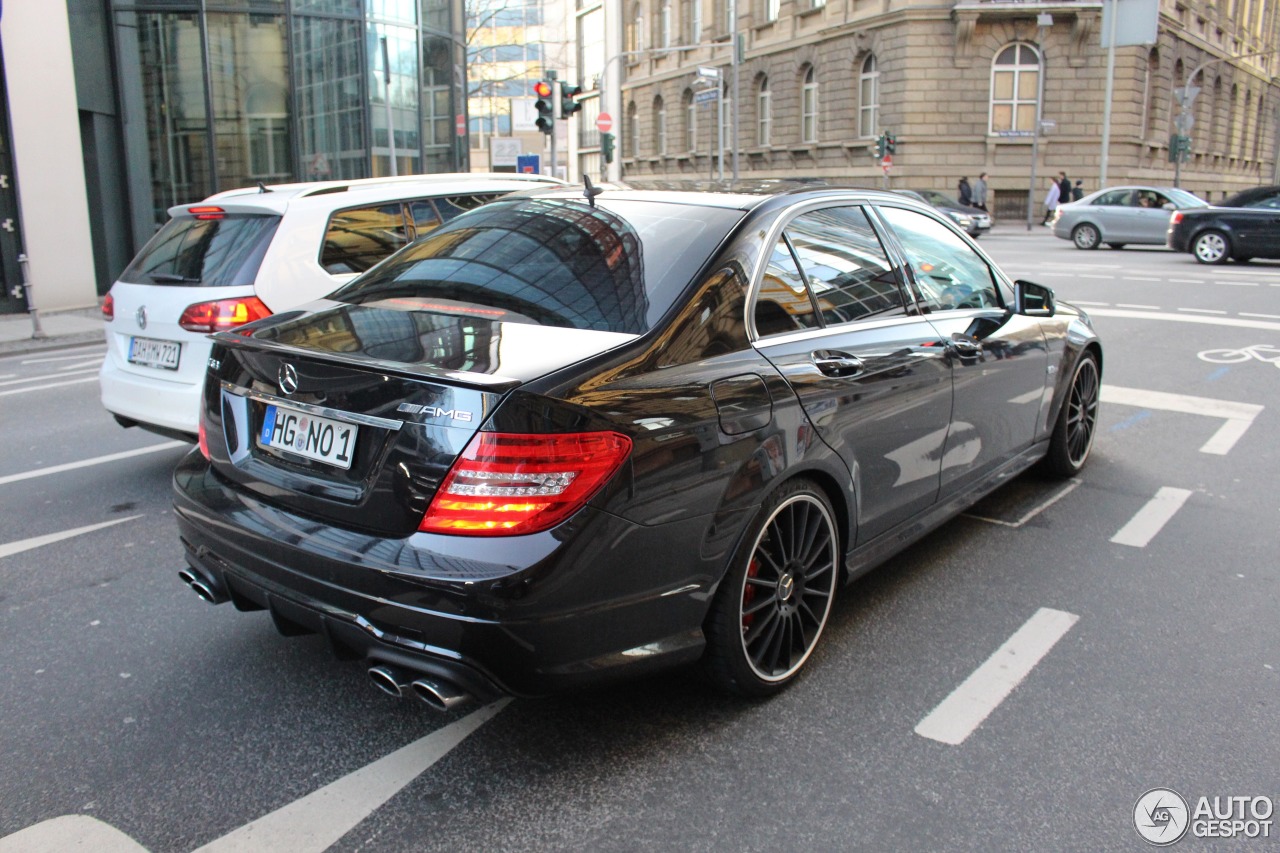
x,y
321,439
152,353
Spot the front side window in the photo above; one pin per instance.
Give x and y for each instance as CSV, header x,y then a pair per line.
x,y
868,98
948,273
809,107
1015,89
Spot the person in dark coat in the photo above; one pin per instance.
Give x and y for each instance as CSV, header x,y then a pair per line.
x,y
1077,192
1064,188
966,192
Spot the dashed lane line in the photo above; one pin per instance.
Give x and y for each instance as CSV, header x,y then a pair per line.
x,y
77,357
1214,311
48,385
11,548
990,684
27,379
85,463
1152,518
1145,307
1238,417
1261,316
1236,322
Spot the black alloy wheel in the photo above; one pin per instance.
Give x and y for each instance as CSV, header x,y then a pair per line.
x,y
1077,422
1086,236
773,604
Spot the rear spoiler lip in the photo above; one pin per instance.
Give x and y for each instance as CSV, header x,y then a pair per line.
x,y
430,372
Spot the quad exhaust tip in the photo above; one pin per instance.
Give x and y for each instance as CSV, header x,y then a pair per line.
x,y
389,680
439,695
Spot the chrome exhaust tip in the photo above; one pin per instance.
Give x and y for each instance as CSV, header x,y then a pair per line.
x,y
389,680
441,696
207,589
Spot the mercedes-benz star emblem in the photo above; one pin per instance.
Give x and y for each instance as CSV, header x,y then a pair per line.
x,y
141,317
288,378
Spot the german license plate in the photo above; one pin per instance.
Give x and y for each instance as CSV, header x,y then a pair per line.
x,y
152,353
305,434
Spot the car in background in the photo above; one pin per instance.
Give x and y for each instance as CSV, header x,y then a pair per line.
x,y
1119,216
1243,227
974,221
244,254
575,436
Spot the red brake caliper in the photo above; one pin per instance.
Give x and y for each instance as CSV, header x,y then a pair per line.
x,y
749,594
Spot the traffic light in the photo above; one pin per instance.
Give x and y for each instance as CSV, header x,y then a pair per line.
x,y
890,142
606,147
880,146
569,106
546,121
1179,148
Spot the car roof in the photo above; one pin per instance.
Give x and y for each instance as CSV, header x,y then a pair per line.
x,y
737,195
276,198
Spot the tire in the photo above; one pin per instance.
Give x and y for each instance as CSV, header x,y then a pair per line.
x,y
1077,422
1086,236
774,601
1211,247
1116,245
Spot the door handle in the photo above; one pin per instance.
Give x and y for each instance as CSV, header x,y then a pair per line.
x,y
965,347
835,363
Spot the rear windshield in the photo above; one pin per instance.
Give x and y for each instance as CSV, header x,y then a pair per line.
x,y
614,267
204,252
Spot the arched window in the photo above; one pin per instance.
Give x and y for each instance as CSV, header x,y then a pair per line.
x,y
772,9
662,36
690,122
633,126
1245,118
1149,94
659,126
691,21
1015,89
764,113
869,97
633,28
809,107
726,114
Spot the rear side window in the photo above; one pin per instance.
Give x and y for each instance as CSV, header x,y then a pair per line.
x,y
216,252
846,267
358,238
617,266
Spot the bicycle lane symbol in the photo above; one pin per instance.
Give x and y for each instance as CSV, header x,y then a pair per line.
x,y
1258,352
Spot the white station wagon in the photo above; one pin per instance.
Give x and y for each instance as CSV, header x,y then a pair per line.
x,y
244,254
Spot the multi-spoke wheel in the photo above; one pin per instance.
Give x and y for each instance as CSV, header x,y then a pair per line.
x,y
1211,247
1086,236
1073,433
775,599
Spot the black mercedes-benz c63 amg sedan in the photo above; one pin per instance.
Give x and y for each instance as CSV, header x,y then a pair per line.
x,y
578,435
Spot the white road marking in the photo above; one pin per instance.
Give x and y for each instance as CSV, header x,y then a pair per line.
x,y
48,385
7,375
1146,307
1238,283
1238,416
1090,304
1261,316
85,463
94,363
1036,510
1029,397
1149,521
11,548
1202,310
1186,280
81,355
1185,318
27,379
982,692
316,822
1141,278
70,832
1087,275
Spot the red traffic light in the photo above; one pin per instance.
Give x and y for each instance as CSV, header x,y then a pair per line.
x,y
542,89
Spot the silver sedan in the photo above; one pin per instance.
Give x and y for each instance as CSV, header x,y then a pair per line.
x,y
1118,216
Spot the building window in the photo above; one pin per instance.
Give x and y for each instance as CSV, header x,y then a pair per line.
x,y
662,35
772,8
631,34
1149,94
809,107
1015,87
633,127
868,97
659,126
690,122
764,113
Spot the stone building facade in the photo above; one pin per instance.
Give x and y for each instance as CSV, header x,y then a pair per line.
x,y
958,87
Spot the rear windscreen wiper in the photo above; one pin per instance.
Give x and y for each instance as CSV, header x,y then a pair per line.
x,y
171,278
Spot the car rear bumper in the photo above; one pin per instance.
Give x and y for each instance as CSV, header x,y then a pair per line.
x,y
596,598
171,406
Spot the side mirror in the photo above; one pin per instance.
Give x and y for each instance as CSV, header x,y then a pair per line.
x,y
1033,300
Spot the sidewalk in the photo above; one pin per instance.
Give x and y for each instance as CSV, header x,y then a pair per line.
x,y
60,328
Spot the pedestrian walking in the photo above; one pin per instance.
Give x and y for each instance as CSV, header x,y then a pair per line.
x,y
1077,192
1064,188
1051,201
980,192
965,191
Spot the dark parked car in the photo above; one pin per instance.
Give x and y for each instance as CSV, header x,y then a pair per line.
x,y
1245,226
562,439
973,220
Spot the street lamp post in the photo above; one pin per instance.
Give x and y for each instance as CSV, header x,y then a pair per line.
x,y
1043,22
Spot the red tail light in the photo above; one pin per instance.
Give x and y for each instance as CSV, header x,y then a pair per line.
x,y
1176,218
505,484
207,212
222,314
204,440
108,308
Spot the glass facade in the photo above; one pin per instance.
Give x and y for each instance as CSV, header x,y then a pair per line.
x,y
227,93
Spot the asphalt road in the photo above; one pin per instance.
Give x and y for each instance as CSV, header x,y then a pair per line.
x,y
1101,638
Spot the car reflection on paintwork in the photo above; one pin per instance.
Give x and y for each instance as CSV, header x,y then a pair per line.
x,y
974,221
1118,216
